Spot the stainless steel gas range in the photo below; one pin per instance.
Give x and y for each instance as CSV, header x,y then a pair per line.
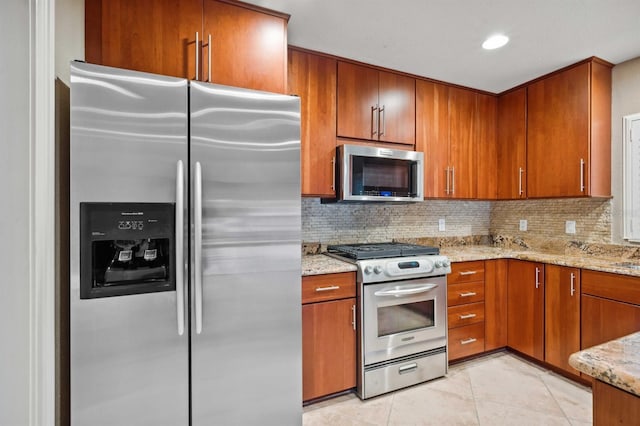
x,y
402,308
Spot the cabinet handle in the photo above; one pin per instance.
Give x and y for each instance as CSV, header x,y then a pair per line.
x,y
353,316
468,294
520,191
446,190
333,171
581,175
467,341
381,113
453,180
374,128
197,55
209,48
468,272
573,281
467,316
537,277
331,287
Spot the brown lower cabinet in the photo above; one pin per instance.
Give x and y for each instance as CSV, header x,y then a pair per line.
x,y
610,307
613,406
328,334
525,307
562,315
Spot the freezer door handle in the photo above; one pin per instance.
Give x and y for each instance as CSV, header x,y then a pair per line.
x,y
198,246
180,246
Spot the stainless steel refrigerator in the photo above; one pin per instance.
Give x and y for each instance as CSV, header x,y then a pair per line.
x,y
185,252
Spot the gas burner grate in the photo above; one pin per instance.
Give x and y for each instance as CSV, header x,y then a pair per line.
x,y
381,250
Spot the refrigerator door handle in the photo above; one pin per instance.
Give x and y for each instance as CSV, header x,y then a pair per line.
x,y
180,246
198,246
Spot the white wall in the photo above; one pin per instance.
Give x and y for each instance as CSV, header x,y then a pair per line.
x,y
625,101
69,35
14,211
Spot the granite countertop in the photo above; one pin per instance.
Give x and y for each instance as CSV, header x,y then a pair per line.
x,y
321,264
616,362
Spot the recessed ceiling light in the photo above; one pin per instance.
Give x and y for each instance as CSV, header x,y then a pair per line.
x,y
495,41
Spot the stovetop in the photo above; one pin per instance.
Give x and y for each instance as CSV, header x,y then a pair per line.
x,y
381,250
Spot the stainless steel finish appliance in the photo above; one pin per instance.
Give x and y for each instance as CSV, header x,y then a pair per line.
x,y
366,173
402,300
185,252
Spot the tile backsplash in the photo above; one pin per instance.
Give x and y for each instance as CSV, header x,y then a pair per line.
x,y
371,222
496,221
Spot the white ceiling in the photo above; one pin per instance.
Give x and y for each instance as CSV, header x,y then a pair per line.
x,y
442,39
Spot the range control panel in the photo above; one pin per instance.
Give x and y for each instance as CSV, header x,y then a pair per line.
x,y
399,268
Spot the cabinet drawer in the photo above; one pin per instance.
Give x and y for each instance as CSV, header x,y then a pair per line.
x,y
461,315
623,288
464,272
465,341
320,288
463,293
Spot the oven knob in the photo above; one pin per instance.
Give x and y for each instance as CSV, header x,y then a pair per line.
x,y
367,269
446,263
438,264
377,269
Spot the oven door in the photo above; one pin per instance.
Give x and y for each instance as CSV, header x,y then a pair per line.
x,y
403,318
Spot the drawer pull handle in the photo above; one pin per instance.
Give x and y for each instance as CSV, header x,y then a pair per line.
x,y
468,294
467,341
331,287
468,272
467,316
408,368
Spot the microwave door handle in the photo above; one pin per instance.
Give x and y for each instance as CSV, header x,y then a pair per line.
x,y
399,292
198,247
180,246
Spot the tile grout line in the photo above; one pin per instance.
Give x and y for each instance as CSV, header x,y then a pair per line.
x,y
564,413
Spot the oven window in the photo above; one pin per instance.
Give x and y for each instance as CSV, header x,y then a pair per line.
x,y
406,317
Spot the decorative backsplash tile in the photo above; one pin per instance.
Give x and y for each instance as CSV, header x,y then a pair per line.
x,y
467,223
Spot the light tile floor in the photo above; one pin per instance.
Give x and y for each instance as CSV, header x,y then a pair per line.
x,y
500,389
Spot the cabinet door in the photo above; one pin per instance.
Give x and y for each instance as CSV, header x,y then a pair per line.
x,y
462,147
144,35
525,307
562,315
558,134
397,103
512,145
486,146
249,46
432,135
313,79
495,302
328,348
604,320
357,101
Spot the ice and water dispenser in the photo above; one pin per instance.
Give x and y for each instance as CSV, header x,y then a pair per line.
x,y
126,248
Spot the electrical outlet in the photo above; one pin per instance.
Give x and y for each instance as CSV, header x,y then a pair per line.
x,y
441,225
523,224
570,227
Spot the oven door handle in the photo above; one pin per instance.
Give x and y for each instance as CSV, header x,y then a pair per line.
x,y
399,292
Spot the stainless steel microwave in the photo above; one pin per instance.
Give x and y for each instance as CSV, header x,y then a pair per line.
x,y
369,173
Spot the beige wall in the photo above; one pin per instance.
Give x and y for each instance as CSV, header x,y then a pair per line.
x,y
69,35
625,101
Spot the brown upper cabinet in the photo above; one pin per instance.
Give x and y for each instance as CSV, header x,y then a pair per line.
x,y
486,146
219,41
512,145
569,132
312,77
375,105
446,123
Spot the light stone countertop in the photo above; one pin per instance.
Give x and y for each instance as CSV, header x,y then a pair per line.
x,y
616,362
321,264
